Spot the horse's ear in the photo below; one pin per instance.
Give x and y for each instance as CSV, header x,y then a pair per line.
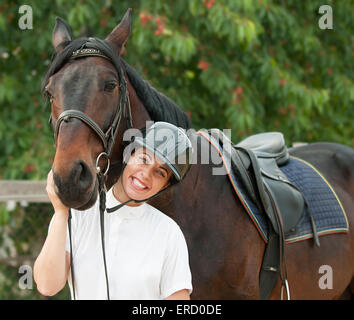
x,y
61,32
119,36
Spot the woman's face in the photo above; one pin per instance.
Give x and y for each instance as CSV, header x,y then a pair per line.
x,y
144,176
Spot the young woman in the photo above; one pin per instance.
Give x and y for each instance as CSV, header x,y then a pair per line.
x,y
146,253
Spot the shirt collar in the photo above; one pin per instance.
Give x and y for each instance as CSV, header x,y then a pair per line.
x,y
125,211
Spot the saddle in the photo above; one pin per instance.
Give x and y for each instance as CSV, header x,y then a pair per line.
x,y
256,161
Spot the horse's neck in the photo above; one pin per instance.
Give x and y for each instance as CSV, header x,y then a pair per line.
x,y
184,194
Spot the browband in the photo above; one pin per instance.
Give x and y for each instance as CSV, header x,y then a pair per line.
x,y
87,52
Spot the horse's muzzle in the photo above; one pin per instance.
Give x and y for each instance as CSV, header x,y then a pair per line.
x,y
79,190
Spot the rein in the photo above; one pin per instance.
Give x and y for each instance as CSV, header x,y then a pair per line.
x,y
88,47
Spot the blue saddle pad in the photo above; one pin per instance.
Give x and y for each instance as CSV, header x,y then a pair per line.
x,y
327,210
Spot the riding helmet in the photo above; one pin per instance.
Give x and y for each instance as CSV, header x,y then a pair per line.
x,y
167,142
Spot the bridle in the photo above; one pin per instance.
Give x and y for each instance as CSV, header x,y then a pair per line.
x,y
89,47
93,47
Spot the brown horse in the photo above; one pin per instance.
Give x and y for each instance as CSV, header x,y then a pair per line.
x,y
225,248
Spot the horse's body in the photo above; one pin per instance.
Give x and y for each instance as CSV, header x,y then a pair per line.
x,y
225,248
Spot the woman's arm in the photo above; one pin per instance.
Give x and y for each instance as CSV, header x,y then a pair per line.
x,y
52,266
179,295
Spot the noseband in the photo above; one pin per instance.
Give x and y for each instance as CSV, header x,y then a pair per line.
x,y
100,48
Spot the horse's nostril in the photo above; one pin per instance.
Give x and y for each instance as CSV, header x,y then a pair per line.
x,y
82,175
78,188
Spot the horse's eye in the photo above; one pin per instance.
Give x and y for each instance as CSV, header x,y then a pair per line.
x,y
50,98
49,95
110,86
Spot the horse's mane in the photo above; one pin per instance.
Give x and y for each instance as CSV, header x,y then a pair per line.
x,y
159,107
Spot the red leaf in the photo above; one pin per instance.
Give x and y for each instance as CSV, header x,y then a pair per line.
x,y
203,65
282,81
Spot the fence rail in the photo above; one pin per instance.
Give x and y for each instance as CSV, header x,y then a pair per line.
x,y
23,190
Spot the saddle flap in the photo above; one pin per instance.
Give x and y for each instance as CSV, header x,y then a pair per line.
x,y
289,200
290,203
267,184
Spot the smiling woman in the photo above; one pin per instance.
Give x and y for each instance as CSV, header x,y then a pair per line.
x,y
145,254
154,163
144,176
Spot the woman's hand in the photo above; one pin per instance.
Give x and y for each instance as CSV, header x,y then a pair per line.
x,y
52,266
58,206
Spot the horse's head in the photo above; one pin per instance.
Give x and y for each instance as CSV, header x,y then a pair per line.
x,y
84,85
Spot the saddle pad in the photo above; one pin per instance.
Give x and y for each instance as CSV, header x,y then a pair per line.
x,y
327,210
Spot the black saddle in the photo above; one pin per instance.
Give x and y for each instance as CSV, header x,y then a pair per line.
x,y
256,162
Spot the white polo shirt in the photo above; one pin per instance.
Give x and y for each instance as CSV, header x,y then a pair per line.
x,y
146,253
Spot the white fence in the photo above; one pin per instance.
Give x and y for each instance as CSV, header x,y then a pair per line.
x,y
23,192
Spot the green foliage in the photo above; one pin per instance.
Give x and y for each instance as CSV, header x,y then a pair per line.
x,y
251,66
248,65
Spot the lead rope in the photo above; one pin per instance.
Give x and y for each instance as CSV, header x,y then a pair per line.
x,y
102,195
